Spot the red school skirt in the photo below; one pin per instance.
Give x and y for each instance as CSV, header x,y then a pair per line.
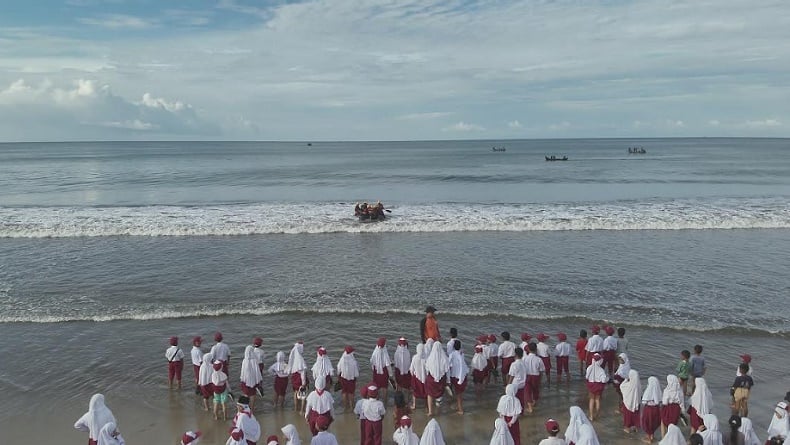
x,y
515,430
596,387
404,380
651,418
296,381
630,418
382,380
280,385
433,388
418,388
458,388
347,386
670,414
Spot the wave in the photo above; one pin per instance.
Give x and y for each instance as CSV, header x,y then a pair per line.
x,y
504,318
313,218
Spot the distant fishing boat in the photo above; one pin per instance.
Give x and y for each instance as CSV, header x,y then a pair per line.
x,y
556,158
498,149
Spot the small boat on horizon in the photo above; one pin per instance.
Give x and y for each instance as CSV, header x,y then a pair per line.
x,y
556,158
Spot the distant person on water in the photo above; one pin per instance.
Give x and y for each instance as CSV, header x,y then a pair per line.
x,y
175,363
429,327
94,420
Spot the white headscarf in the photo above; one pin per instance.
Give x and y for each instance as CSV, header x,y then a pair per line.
x,y
458,368
404,435
206,368
250,371
587,436
673,393
322,367
105,435
437,363
748,432
595,373
432,434
577,419
97,416
711,435
625,367
479,361
779,423
248,424
417,367
673,437
509,405
218,377
631,389
652,394
402,358
279,367
319,400
347,366
295,360
428,347
501,434
380,359
291,434
701,399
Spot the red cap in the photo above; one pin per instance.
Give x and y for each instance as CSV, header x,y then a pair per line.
x,y
402,341
561,336
217,365
552,426
190,436
482,338
257,341
363,392
404,421
381,342
173,341
746,358
349,349
273,439
373,391
322,422
197,340
609,330
542,337
218,336
321,350
525,336
596,329
491,338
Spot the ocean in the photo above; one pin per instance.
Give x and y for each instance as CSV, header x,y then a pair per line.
x,y
108,248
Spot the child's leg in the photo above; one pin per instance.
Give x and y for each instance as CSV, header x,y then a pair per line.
x,y
591,406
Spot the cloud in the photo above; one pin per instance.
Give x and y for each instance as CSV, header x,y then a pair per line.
x,y
118,21
714,123
765,123
464,127
675,123
514,124
564,125
424,116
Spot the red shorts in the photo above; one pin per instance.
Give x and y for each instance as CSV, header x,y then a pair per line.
x,y
280,385
532,388
404,380
670,414
546,363
296,381
651,418
433,388
382,380
596,387
506,362
630,418
174,369
562,364
479,376
347,386
418,388
458,388
248,391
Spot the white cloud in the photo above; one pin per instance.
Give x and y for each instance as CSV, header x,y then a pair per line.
x,y
514,124
765,123
425,116
464,127
132,125
564,125
118,21
714,123
672,123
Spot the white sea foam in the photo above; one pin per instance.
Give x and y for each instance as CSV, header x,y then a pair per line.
x,y
235,220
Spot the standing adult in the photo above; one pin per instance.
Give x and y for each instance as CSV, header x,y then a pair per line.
x,y
97,416
429,327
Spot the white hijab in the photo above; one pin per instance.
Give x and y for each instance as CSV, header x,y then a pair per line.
x,y
595,373
701,399
458,368
417,367
402,358
652,394
380,359
673,393
428,347
219,377
673,437
295,360
577,419
587,436
97,416
779,423
625,367
320,400
631,389
479,361
206,368
748,432
291,434
250,371
711,435
432,434
437,363
322,367
279,366
248,424
105,435
509,405
347,366
501,434
404,435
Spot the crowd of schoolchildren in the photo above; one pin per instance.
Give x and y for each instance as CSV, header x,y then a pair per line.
x,y
437,370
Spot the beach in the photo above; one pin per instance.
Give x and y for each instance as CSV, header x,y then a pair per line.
x,y
109,249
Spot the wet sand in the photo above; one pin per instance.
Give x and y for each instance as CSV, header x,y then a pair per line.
x,y
128,370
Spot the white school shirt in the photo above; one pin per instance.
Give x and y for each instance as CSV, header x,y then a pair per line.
x,y
610,343
543,349
738,371
450,345
552,441
373,410
493,348
174,354
259,355
594,344
324,438
507,349
519,372
358,409
221,351
563,349
534,364
197,356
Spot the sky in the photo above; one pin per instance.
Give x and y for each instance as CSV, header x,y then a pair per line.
x,y
392,69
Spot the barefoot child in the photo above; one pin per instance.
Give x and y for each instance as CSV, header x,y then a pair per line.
x,y
197,358
175,363
492,355
672,400
535,369
323,369
697,366
457,373
596,382
402,359
279,370
740,390
479,370
380,364
436,366
507,354
219,385
418,376
632,400
250,377
610,350
348,373
204,379
562,352
544,355
594,344
221,352
581,351
701,403
651,408
297,370
509,409
682,371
